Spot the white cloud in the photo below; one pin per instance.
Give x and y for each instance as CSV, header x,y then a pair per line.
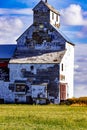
x,y
81,70
82,33
28,2
13,22
80,91
10,27
25,11
73,15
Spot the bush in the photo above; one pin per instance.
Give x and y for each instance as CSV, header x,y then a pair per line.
x,y
70,101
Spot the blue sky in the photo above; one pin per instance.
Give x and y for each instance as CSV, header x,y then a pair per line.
x,y
16,16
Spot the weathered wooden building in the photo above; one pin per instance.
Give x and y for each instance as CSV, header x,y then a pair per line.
x,y
43,62
6,53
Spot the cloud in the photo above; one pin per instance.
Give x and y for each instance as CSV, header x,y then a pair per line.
x,y
80,91
24,1
77,34
10,27
13,22
80,70
73,15
24,11
82,33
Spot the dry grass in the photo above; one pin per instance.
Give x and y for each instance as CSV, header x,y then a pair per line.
x,y
76,104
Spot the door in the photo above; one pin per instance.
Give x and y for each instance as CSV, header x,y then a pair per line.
x,y
63,92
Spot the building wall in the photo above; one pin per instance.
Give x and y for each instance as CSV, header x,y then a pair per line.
x,y
37,74
41,14
67,73
36,38
5,93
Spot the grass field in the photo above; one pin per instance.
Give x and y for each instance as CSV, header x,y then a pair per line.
x,y
50,117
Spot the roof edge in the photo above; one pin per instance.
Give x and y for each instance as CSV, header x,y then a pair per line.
x,y
24,32
62,34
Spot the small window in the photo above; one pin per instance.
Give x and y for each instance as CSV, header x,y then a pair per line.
x,y
32,67
56,17
62,67
52,15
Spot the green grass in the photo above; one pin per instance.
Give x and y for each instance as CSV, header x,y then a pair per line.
x,y
50,117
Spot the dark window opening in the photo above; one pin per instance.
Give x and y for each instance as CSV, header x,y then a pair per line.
x,y
4,74
52,15
52,37
32,67
56,17
62,67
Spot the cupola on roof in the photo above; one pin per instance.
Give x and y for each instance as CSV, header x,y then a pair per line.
x,y
45,13
48,6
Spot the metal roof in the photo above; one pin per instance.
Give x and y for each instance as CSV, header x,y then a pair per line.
x,y
53,57
63,35
7,51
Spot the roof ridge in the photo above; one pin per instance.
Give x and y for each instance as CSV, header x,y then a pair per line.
x,y
51,8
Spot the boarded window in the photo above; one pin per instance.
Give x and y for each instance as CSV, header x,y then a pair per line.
x,y
20,88
62,77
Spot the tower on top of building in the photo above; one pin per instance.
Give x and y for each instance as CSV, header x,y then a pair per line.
x,y
43,13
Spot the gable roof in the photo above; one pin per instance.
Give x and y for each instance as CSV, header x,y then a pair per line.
x,y
64,36
25,31
48,6
53,57
7,51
